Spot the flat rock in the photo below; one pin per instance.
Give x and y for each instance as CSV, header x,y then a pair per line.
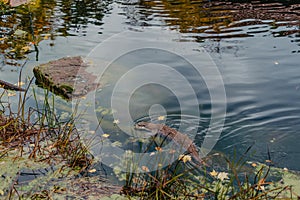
x,y
66,77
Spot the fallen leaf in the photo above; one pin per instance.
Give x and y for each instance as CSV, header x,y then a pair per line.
x,y
158,148
105,135
160,118
116,121
213,173
222,176
92,170
152,154
46,37
185,158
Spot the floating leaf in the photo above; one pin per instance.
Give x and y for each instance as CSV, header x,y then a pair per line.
x,y
185,158
213,173
92,170
46,37
160,118
158,148
116,121
152,153
222,176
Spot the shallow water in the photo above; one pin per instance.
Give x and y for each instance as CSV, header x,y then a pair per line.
x,y
255,47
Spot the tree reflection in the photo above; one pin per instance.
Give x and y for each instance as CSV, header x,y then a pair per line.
x,y
23,27
221,19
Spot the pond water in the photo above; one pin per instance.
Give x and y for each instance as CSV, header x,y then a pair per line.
x,y
254,46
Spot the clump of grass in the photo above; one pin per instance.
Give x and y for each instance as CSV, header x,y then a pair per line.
x,y
236,180
171,182
242,181
39,135
42,136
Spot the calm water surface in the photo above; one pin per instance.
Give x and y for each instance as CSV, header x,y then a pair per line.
x,y
255,46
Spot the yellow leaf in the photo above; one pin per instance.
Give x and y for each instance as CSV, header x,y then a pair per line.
x,y
105,135
185,158
160,118
46,37
158,148
92,170
213,173
116,121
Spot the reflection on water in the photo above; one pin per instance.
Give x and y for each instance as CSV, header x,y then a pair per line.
x,y
255,45
45,20
218,19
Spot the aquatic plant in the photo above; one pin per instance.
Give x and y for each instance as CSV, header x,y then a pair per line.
x,y
36,138
238,179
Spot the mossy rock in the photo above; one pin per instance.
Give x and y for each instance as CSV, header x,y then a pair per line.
x,y
66,77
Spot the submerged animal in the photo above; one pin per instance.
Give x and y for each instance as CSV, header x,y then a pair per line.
x,y
180,139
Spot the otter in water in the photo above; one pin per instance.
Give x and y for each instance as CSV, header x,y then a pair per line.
x,y
182,140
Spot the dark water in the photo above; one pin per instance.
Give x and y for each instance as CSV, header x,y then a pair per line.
x,y
255,47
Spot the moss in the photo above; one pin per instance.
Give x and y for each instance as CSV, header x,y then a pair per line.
x,y
44,80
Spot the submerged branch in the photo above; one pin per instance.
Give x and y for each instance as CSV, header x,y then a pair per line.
x,y
9,86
